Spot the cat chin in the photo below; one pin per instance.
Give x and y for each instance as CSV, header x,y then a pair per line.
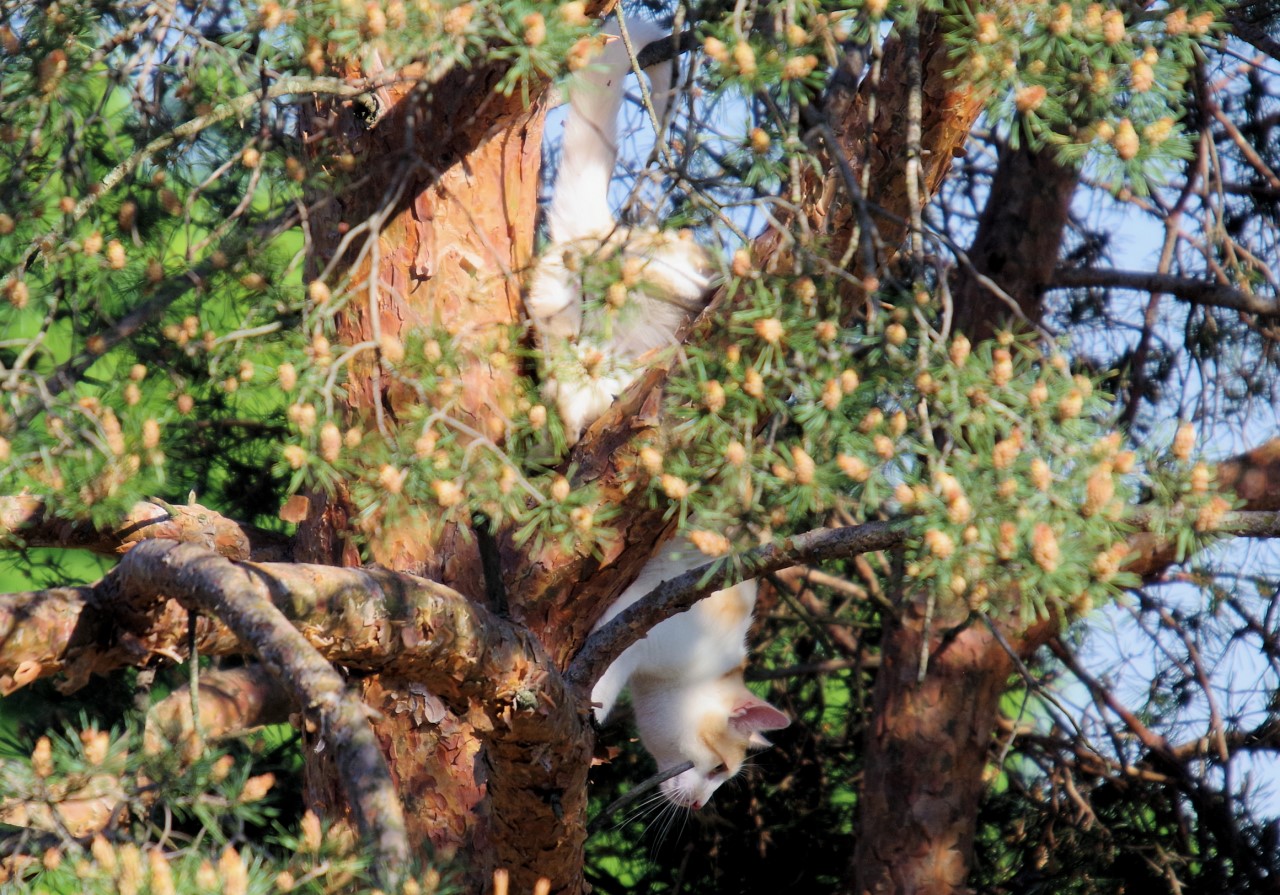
x,y
692,789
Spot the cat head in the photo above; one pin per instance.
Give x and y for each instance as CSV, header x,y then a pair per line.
x,y
710,723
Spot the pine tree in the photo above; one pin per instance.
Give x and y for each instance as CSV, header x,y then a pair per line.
x,y
264,340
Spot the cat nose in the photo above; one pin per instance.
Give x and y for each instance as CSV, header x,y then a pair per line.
x,y
696,806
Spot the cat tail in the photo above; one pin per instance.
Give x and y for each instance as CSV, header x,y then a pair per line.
x,y
580,204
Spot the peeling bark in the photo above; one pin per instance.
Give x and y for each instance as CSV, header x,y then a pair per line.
x,y
926,750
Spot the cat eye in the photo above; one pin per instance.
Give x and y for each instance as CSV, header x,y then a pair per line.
x,y
720,768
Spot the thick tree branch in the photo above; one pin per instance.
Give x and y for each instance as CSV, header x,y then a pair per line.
x,y
28,521
231,701
1200,292
242,600
680,593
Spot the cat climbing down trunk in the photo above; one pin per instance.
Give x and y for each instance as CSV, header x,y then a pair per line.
x,y
603,295
686,682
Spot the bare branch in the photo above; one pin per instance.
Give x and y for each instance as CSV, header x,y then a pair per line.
x,y
680,593
1198,292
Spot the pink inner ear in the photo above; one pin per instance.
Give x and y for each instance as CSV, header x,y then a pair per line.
x,y
756,714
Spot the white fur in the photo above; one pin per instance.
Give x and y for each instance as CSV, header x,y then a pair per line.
x,y
686,681
592,351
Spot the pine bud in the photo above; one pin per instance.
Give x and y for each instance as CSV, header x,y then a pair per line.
x,y
287,376
457,19
1124,462
735,453
17,292
1200,478
1060,24
832,395
294,455
988,31
798,67
233,877
715,48
1126,140
853,467
42,758
535,29
959,351
939,543
1209,517
1041,474
1113,30
884,447
713,397
1005,452
959,511
759,139
744,58
1038,395
447,492
560,489
1044,547
115,255
849,381
312,835
1184,441
1099,490
874,417
1070,406
256,788
330,442
753,383
674,487
1030,98
770,329
826,331
803,465
537,417
583,519
574,13
898,424
805,290
947,486
319,293
711,543
904,494
96,744
1001,367
150,434
895,334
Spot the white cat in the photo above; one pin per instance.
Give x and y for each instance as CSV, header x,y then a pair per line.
x,y
686,682
592,338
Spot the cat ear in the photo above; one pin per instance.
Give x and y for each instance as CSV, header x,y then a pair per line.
x,y
754,715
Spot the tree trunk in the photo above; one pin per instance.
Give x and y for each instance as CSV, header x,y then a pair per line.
x,y
927,747
455,183
927,744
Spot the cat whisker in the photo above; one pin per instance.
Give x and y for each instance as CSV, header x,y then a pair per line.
x,y
635,793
